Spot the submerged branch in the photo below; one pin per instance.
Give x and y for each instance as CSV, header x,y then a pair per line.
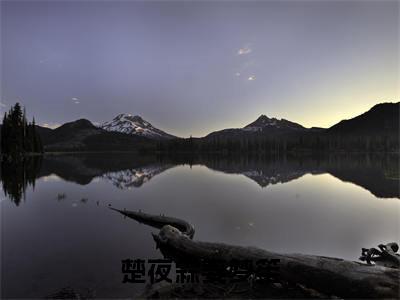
x,y
158,221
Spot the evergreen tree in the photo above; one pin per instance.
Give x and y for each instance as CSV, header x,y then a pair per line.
x,y
17,136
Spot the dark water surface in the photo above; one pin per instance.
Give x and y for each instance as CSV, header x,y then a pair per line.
x,y
329,206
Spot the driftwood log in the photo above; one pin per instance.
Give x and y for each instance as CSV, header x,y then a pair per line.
x,y
327,275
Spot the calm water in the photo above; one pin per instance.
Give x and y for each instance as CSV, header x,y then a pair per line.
x,y
329,206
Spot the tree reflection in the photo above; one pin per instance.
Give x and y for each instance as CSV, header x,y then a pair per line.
x,y
19,174
378,173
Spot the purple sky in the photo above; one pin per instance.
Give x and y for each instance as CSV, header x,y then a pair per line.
x,y
194,67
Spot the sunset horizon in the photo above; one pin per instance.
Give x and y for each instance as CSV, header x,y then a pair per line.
x,y
314,63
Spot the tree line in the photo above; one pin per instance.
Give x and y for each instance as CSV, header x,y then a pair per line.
x,y
18,136
264,143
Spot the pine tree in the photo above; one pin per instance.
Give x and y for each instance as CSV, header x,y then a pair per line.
x,y
17,136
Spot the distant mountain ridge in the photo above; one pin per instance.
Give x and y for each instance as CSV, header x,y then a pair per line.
x,y
135,125
375,130
264,125
382,118
263,122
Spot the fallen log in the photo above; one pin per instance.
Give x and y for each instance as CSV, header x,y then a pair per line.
x,y
325,274
330,276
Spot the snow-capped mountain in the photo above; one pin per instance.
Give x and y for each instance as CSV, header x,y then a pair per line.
x,y
264,122
126,179
126,123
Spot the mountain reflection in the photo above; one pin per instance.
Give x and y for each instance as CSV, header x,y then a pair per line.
x,y
125,179
377,173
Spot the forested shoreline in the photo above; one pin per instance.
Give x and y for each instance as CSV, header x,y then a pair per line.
x,y
376,131
263,143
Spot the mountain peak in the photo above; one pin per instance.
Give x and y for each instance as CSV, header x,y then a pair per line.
x,y
129,117
136,125
263,118
273,123
79,124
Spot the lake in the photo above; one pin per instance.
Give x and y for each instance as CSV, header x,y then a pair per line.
x,y
57,229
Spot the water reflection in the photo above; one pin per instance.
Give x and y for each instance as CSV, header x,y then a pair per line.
x,y
83,168
126,179
16,176
247,201
377,173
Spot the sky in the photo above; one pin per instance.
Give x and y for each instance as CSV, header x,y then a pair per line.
x,y
191,67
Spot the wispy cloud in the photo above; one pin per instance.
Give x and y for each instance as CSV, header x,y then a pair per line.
x,y
2,104
76,100
42,61
51,57
237,74
244,50
251,78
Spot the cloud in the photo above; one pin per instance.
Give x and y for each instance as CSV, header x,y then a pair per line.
x,y
76,100
244,50
42,61
51,125
251,78
237,73
2,104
